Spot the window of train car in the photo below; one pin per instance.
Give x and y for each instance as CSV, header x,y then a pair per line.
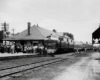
x,y
50,44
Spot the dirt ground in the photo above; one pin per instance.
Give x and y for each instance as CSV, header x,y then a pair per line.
x,y
88,68
82,67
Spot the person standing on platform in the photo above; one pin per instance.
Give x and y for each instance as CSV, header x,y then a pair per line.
x,y
2,49
41,49
29,49
45,51
8,48
32,49
85,50
12,48
35,48
25,48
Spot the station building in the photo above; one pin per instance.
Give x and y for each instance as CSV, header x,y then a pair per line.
x,y
33,35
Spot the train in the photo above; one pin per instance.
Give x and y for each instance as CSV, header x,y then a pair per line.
x,y
65,44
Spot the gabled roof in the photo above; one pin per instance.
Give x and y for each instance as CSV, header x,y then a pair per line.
x,y
96,33
37,33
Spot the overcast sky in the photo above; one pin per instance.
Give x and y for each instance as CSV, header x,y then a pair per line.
x,y
79,17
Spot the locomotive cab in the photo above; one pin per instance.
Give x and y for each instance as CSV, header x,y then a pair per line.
x,y
51,46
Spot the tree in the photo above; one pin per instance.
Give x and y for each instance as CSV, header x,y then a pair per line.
x,y
69,35
54,30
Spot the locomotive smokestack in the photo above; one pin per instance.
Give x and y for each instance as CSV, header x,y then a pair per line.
x,y
29,26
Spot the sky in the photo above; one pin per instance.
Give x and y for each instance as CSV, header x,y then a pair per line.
x,y
79,17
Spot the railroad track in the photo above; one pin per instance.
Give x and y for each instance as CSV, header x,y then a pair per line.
x,y
22,68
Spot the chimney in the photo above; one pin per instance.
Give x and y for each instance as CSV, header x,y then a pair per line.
x,y
37,25
29,26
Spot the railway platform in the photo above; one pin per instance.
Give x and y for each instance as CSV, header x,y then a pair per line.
x,y
7,56
14,54
10,56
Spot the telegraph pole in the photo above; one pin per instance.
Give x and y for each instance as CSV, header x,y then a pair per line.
x,y
13,31
5,29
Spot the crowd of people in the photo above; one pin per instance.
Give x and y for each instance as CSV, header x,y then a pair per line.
x,y
40,49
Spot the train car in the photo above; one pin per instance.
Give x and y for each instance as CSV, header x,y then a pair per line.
x,y
78,45
62,45
89,46
51,45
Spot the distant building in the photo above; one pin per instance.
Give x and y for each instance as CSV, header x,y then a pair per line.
x,y
1,36
96,36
